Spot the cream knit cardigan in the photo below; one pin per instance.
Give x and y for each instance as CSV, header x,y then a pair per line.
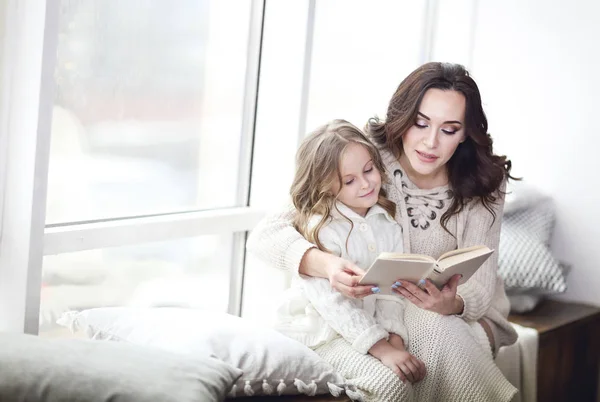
x,y
276,241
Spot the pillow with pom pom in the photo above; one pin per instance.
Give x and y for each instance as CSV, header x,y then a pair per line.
x,y
272,364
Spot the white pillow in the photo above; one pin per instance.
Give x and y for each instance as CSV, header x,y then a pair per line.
x,y
271,362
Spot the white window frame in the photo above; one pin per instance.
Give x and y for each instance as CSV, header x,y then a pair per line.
x,y
30,34
30,37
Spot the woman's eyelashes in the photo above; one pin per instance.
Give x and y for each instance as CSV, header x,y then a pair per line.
x,y
449,130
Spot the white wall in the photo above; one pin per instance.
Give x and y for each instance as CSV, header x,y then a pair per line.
x,y
361,51
537,64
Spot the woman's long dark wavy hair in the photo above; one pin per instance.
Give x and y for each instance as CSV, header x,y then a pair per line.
x,y
474,171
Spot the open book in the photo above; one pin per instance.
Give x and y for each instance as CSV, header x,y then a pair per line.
x,y
389,267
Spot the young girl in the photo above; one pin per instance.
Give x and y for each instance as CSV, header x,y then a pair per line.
x,y
343,209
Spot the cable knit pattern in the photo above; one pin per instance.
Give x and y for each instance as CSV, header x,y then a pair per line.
x,y
346,316
423,208
390,314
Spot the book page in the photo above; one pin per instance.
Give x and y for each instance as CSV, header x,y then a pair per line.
x,y
460,251
457,264
411,257
384,272
457,256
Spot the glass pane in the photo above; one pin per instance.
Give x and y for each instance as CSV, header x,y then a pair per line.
x,y
361,52
148,111
257,304
190,272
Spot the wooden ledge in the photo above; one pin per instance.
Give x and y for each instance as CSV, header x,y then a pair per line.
x,y
550,315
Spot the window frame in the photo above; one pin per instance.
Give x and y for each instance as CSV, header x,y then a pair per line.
x,y
29,43
30,33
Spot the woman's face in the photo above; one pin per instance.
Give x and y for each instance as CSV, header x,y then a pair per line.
x,y
429,144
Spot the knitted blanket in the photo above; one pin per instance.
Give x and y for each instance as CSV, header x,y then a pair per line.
x,y
457,356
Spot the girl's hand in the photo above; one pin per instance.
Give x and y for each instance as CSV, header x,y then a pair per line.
x,y
343,275
445,301
402,363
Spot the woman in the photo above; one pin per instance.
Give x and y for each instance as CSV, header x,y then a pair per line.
x,y
448,188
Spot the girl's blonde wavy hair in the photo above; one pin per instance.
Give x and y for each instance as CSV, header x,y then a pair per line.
x,y
317,169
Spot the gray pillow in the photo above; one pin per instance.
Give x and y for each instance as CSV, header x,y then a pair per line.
x,y
525,261
34,369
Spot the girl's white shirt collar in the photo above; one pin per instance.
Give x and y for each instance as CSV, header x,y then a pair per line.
x,y
353,216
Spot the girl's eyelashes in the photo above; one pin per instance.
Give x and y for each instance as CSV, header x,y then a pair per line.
x,y
368,170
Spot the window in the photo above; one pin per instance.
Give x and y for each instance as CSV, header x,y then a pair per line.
x,y
194,272
145,138
149,108
151,119
148,154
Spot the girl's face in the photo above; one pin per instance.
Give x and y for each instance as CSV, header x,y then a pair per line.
x,y
431,141
361,181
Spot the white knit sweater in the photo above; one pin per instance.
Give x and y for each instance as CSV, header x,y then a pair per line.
x,y
314,313
276,241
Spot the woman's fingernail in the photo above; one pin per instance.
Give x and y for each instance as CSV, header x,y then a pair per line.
x,y
375,290
422,282
394,286
398,283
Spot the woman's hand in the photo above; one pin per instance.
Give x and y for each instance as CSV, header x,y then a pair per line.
x,y
445,301
343,275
